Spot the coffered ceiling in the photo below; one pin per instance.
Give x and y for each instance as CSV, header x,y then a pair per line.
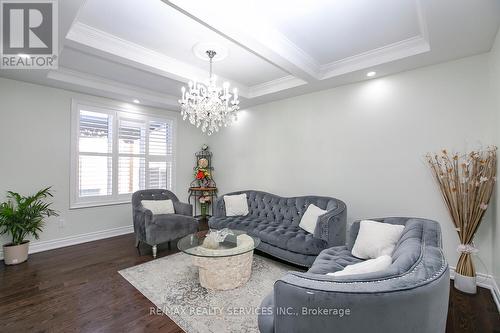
x,y
143,49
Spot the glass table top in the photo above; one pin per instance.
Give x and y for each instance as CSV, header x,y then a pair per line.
x,y
238,242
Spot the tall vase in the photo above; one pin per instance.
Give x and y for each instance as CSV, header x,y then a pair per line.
x,y
465,273
466,284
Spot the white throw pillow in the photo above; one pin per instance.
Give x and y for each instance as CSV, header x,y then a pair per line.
x,y
368,266
310,218
159,206
376,239
236,205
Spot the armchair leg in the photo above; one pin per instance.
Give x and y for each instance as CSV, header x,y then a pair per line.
x,y
137,242
169,246
154,251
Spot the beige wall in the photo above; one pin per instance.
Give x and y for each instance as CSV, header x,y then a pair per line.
x,y
364,143
35,152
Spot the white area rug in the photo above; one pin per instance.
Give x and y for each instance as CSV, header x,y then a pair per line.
x,y
171,283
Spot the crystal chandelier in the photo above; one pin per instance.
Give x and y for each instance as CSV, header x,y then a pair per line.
x,y
208,106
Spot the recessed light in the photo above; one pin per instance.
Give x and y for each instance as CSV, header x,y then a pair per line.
x,y
371,74
136,101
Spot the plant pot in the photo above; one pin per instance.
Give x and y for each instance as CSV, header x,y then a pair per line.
x,y
15,254
466,284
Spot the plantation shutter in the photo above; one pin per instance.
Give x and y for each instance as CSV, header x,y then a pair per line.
x,y
117,153
160,154
132,155
95,154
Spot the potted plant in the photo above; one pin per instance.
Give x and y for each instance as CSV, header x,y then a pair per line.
x,y
21,217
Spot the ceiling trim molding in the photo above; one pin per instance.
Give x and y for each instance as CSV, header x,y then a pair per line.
x,y
127,92
280,51
399,50
117,49
395,51
283,83
277,50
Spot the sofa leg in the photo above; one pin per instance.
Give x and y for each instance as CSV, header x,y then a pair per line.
x,y
169,246
137,242
154,251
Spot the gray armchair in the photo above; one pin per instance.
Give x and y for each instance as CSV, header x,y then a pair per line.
x,y
156,229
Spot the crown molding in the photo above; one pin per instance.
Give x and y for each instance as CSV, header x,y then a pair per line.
x,y
264,41
122,51
273,86
117,49
278,50
392,52
69,76
273,47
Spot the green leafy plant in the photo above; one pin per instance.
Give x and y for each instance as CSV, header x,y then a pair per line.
x,y
22,216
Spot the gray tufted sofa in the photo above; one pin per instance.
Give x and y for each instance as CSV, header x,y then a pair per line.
x,y
410,296
156,229
275,220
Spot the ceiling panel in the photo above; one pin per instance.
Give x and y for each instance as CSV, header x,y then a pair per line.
x,y
326,30
333,30
156,26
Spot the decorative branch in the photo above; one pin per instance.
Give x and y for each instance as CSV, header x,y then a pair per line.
x,y
466,182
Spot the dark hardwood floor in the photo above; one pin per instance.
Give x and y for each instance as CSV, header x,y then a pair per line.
x,y
78,289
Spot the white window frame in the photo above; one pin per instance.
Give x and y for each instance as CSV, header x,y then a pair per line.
x,y
117,111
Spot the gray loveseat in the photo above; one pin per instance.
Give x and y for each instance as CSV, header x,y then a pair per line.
x,y
275,220
410,296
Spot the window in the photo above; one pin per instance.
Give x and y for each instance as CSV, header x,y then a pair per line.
x,y
115,153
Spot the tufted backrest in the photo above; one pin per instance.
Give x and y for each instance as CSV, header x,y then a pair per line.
x,y
153,194
284,210
418,234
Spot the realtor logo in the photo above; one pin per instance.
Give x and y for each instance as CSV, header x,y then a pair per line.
x,y
28,34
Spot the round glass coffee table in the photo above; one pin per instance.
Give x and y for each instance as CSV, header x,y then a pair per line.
x,y
227,266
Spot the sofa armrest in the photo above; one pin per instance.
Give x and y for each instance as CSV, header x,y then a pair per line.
x,y
219,208
145,214
142,217
302,305
331,227
182,208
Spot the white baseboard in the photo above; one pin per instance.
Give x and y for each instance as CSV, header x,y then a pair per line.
x,y
485,281
78,239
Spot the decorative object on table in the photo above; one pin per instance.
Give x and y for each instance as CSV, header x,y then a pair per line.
x,y
216,237
208,106
203,188
20,217
466,182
